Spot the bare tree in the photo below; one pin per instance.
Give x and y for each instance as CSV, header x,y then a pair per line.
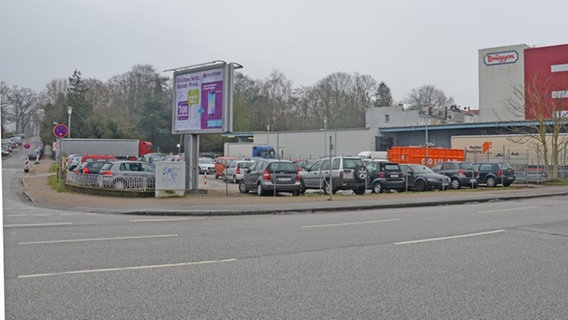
x,y
23,103
428,98
550,114
4,110
277,93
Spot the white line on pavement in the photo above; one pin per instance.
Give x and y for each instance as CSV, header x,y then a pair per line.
x,y
184,264
159,220
505,210
55,224
99,239
348,223
450,237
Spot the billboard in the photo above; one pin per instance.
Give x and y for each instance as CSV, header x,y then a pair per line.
x,y
203,98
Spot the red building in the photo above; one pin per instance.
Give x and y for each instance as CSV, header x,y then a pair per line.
x,y
546,72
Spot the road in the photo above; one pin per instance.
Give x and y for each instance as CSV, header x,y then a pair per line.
x,y
499,260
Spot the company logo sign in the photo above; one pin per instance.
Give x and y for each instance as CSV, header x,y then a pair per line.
x,y
499,58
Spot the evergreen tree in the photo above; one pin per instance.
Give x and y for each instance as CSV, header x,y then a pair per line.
x,y
383,97
76,98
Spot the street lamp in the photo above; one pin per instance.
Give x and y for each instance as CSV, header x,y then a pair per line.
x,y
69,112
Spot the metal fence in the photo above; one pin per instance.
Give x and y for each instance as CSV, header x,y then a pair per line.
x,y
119,183
529,167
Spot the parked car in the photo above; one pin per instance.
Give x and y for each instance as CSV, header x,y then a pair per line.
x,y
206,165
127,174
493,173
461,174
93,157
236,169
153,157
73,160
271,175
90,167
221,164
347,173
385,175
421,178
301,163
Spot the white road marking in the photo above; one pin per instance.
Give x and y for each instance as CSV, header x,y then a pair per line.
x,y
41,214
159,220
99,239
505,210
55,224
21,208
17,215
183,264
348,223
450,237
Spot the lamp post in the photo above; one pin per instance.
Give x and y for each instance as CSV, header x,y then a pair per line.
x,y
69,112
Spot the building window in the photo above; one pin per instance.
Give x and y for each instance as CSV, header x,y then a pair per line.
x,y
387,118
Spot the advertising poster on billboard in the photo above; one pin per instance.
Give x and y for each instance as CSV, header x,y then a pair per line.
x,y
199,101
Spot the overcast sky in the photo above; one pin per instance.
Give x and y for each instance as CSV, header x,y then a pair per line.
x,y
406,44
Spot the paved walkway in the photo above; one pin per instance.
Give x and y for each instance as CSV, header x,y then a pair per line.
x,y
215,202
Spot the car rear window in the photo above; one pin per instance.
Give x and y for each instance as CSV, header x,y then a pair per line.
x,y
352,163
282,167
244,164
392,167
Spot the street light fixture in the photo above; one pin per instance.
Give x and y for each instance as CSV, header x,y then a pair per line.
x,y
69,112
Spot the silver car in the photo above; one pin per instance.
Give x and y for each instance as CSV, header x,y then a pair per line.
x,y
271,176
236,169
128,175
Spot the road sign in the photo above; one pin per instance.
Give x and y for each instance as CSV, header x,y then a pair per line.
x,y
60,130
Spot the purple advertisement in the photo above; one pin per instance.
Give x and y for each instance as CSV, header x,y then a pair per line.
x,y
199,101
212,104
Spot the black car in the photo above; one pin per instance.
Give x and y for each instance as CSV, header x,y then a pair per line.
x,y
462,174
421,178
492,173
271,175
385,175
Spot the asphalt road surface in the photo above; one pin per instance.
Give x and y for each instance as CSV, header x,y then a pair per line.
x,y
499,260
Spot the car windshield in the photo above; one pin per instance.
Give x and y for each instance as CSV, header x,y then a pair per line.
x,y
206,161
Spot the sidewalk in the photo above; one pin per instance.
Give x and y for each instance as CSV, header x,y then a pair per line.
x,y
214,202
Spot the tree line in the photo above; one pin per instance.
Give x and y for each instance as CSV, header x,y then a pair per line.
x,y
137,104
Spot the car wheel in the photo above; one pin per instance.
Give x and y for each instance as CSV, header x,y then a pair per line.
x,y
361,173
235,179
302,187
328,189
490,182
420,185
359,191
377,187
455,184
259,190
119,185
243,187
296,193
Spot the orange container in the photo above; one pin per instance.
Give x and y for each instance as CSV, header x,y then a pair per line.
x,y
422,155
